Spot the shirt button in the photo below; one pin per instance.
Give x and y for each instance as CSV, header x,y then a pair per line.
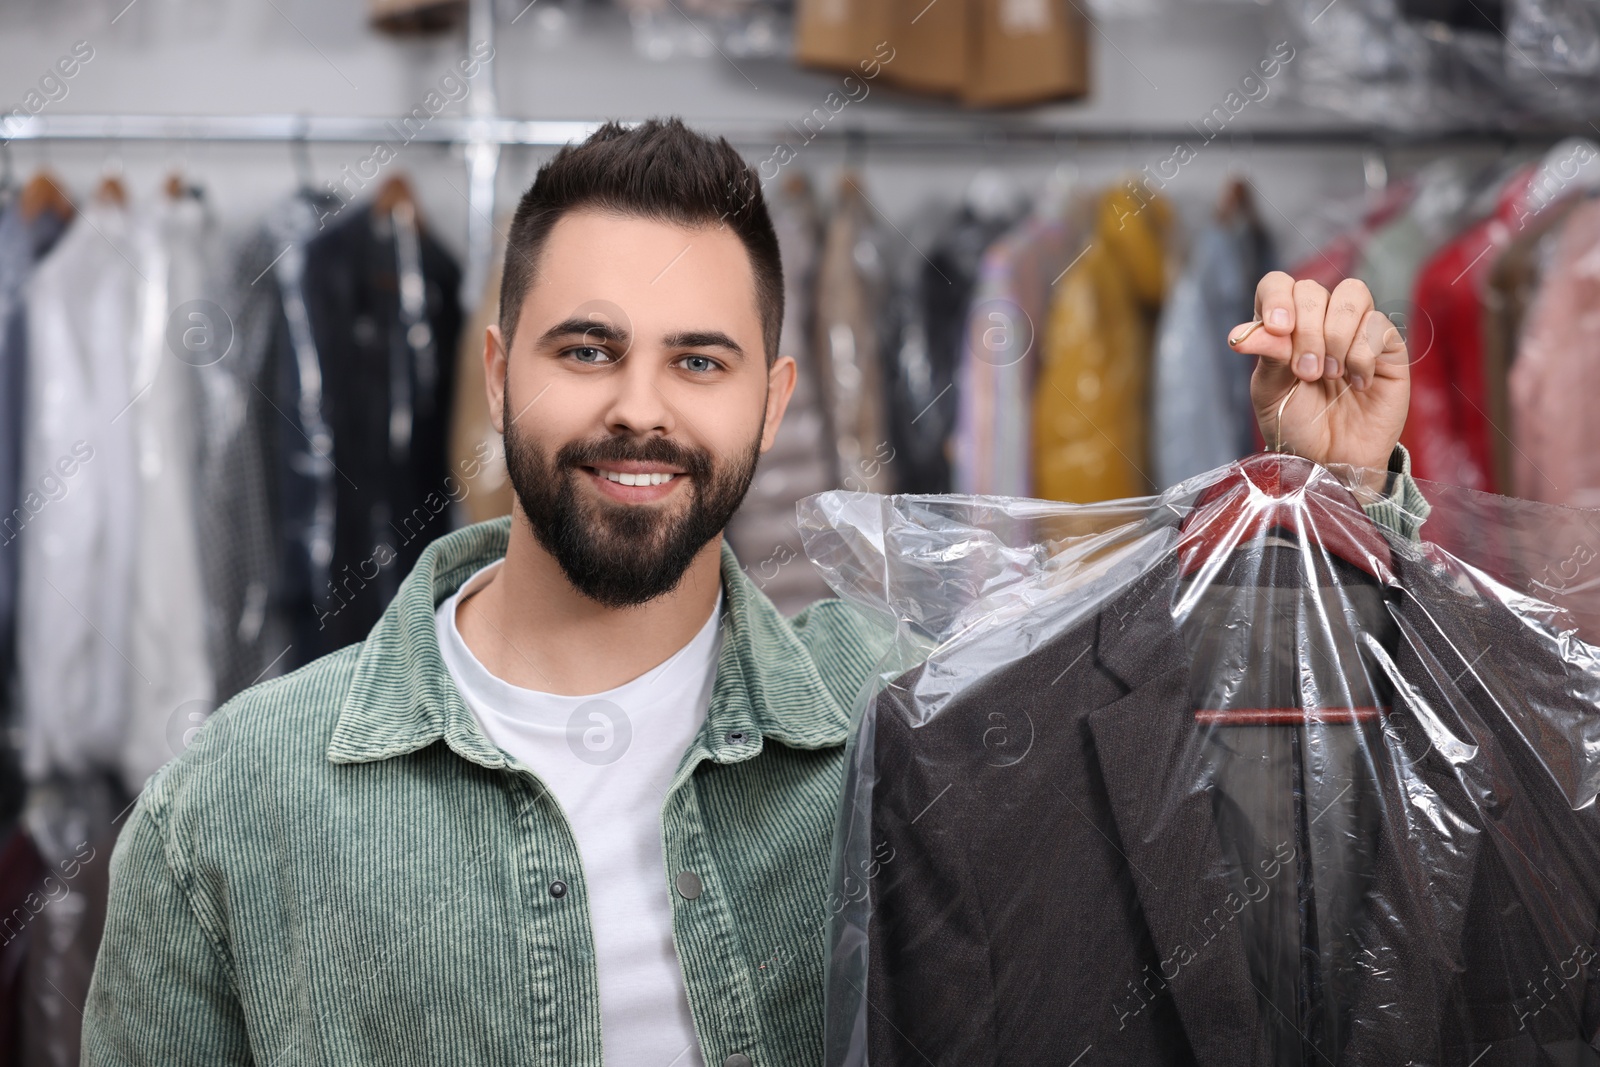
x,y
689,887
738,1059
736,738
558,889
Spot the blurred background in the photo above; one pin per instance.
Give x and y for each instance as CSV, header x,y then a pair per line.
x,y
248,250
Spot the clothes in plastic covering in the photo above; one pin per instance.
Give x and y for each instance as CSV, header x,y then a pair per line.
x,y
23,242
1337,258
1090,407
1243,774
852,289
184,330
1556,377
1448,430
1202,416
800,461
87,313
922,406
1511,288
477,451
247,510
1391,257
305,493
1422,64
1002,350
382,297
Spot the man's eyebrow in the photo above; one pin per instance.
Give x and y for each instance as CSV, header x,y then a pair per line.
x,y
596,329
703,339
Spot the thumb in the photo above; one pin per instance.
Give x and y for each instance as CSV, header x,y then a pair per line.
x,y
1272,352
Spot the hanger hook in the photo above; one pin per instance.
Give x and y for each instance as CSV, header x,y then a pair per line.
x,y
1278,428
300,152
855,147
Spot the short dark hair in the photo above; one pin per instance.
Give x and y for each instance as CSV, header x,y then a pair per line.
x,y
656,170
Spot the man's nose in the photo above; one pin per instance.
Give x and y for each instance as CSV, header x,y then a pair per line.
x,y
637,404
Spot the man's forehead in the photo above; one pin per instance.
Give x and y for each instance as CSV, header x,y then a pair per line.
x,y
632,278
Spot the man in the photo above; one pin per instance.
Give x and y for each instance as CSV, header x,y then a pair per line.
x,y
576,790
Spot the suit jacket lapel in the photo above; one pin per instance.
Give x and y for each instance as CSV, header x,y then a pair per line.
x,y
1149,755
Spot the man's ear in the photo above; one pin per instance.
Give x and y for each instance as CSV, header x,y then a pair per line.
x,y
495,364
781,377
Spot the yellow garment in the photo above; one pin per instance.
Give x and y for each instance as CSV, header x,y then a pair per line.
x,y
1091,403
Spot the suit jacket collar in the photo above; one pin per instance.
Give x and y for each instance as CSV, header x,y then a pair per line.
x,y
402,698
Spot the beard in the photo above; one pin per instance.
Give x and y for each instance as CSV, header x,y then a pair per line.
x,y
622,555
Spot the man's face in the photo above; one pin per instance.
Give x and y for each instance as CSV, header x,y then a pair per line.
x,y
635,399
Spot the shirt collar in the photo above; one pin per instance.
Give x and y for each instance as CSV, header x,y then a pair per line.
x,y
402,699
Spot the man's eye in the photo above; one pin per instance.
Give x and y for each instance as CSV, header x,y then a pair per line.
x,y
589,354
700,364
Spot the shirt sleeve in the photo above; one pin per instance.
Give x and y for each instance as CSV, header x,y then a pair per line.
x,y
162,992
1402,509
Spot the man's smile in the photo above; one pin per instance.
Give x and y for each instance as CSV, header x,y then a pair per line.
x,y
634,482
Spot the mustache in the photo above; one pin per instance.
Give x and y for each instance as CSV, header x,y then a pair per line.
x,y
696,462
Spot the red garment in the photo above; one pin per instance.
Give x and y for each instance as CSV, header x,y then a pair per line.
x,y
1448,431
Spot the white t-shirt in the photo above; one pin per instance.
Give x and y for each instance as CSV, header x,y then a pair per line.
x,y
608,758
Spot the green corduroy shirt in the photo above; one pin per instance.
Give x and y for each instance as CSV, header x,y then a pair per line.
x,y
343,869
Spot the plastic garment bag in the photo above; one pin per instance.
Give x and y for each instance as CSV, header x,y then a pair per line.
x,y
1233,775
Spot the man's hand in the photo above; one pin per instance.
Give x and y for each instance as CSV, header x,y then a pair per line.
x,y
1351,364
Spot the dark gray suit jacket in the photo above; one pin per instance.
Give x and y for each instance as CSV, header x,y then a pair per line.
x,y
1073,906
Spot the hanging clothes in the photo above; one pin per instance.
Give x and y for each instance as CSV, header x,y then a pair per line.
x,y
26,236
1002,347
852,289
1338,258
1090,423
1395,251
1448,430
1556,375
250,510
86,319
304,470
763,532
382,299
167,650
1509,289
477,452
1231,778
932,333
1202,416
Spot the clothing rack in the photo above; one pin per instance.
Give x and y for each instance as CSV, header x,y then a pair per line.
x,y
482,133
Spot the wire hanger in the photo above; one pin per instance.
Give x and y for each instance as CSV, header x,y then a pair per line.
x,y
855,148
112,190
393,193
8,176
43,193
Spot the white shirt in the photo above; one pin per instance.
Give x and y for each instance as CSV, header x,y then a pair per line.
x,y
608,758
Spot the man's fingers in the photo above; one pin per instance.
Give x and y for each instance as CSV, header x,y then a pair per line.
x,y
1310,349
1384,340
1275,308
1347,307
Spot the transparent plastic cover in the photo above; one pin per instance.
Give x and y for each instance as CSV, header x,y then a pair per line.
x,y
1232,775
